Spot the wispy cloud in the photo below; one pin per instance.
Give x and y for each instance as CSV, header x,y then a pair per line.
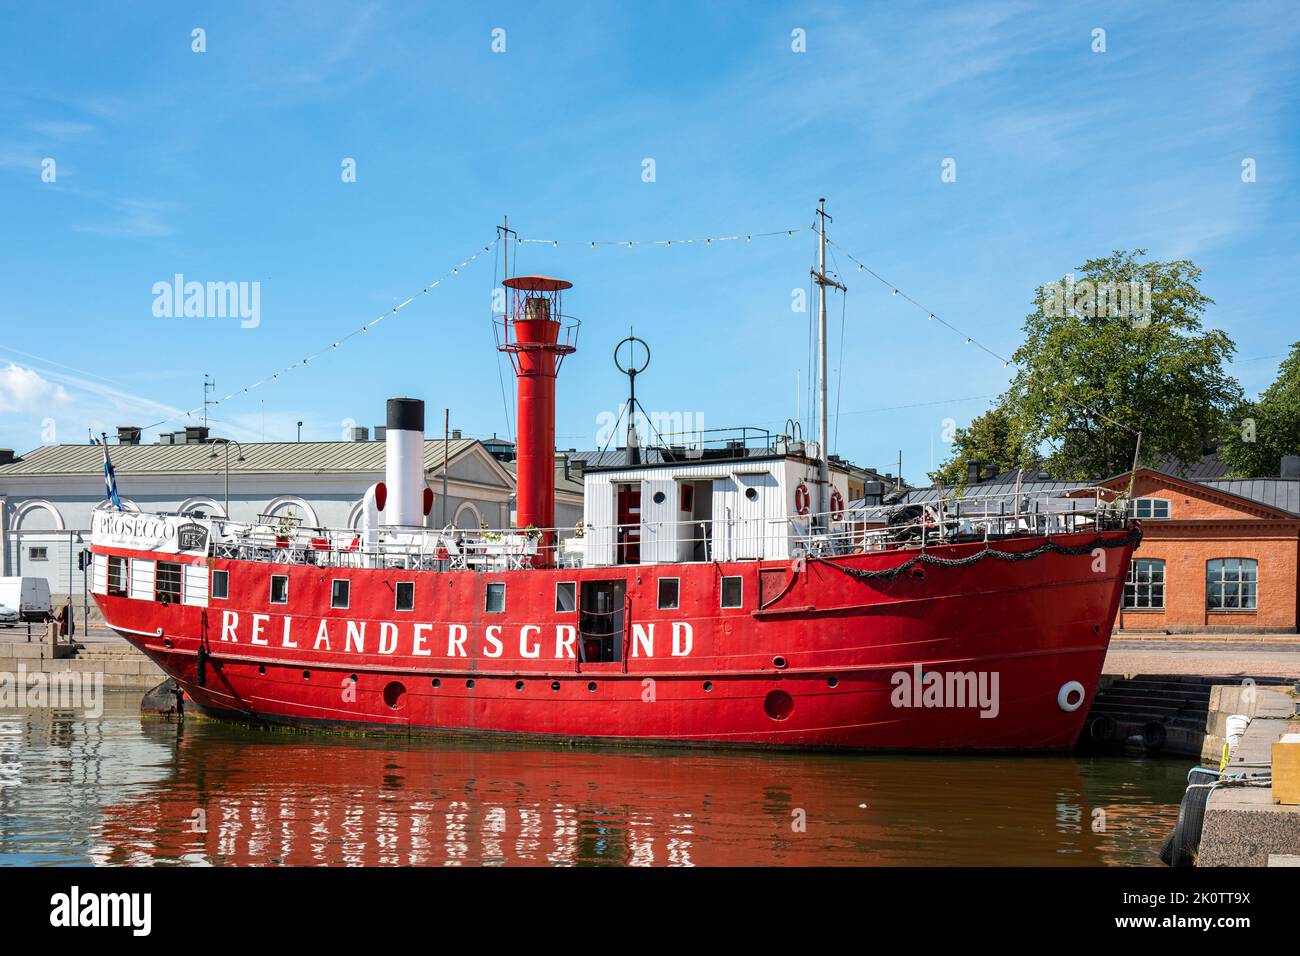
x,y
133,219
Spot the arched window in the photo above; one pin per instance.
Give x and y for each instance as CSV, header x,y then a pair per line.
x,y
1232,584
1145,587
467,516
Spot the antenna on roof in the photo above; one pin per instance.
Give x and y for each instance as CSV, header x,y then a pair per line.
x,y
209,385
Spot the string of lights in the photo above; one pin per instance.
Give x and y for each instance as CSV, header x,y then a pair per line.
x,y
930,313
630,243
306,360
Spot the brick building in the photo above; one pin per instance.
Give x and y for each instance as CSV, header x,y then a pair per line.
x,y
1216,555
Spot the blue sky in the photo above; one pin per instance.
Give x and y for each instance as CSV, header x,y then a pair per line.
x,y
226,166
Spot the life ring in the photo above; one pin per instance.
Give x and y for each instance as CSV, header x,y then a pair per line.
x,y
837,505
801,498
1070,697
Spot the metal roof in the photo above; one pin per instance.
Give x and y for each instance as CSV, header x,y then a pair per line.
x,y
1283,493
266,458
996,488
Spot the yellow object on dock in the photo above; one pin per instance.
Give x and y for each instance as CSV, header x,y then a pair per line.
x,y
1286,770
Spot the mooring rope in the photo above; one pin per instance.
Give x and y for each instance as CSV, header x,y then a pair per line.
x,y
1050,547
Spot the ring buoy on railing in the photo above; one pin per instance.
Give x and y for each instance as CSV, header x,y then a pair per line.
x,y
837,505
801,498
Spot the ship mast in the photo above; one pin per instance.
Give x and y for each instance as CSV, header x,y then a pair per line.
x,y
823,433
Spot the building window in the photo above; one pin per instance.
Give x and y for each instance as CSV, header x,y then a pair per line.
x,y
1145,587
1231,584
340,593
38,554
221,584
732,592
118,582
279,589
1150,507
566,597
669,589
167,583
405,596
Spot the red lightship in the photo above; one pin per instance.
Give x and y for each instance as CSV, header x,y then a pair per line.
x,y
715,596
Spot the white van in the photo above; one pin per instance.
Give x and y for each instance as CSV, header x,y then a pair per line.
x,y
30,597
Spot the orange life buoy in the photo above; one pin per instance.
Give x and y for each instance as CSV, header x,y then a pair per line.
x,y
837,506
801,498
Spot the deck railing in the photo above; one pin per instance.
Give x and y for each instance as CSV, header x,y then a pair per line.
x,y
723,537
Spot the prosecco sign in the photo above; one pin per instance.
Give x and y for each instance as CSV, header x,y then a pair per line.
x,y
145,532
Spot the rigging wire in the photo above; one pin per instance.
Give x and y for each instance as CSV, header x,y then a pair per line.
x,y
454,271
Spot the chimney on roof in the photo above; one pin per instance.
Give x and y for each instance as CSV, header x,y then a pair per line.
x,y
196,434
455,434
6,456
359,433
128,434
973,472
1290,466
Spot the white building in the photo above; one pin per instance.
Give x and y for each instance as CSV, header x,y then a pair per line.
x,y
48,494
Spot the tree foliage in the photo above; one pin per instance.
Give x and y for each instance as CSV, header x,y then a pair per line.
x,y
1115,350
1264,430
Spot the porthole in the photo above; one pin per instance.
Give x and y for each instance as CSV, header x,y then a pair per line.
x,y
519,685
708,685
306,675
659,497
778,662
555,685
833,682
469,683
261,668
167,642
436,682
394,694
751,494
591,686
778,705
353,678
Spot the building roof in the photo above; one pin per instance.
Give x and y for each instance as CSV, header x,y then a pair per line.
x,y
312,458
1281,493
572,483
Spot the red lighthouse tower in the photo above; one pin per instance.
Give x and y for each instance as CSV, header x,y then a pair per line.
x,y
537,335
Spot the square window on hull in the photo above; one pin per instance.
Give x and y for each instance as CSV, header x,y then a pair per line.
x,y
340,593
669,593
279,589
221,585
733,591
405,596
494,601
566,597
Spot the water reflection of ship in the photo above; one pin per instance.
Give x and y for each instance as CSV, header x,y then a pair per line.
x,y
251,798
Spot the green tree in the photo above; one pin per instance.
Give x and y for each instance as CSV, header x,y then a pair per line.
x,y
1118,351
1264,430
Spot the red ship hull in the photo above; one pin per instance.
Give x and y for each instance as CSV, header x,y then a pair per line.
x,y
813,658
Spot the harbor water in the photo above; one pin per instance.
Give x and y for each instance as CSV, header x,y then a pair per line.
x,y
121,789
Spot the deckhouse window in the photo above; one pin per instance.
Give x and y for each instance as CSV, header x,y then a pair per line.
x,y
279,589
495,599
732,591
221,584
340,593
1231,584
405,596
566,597
167,583
668,593
1145,587
118,582
1157,508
